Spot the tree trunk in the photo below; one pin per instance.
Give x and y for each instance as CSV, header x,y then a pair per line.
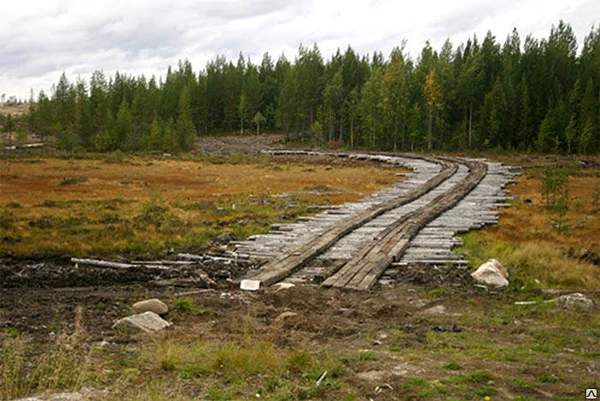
x,y
396,131
403,134
470,124
331,134
429,130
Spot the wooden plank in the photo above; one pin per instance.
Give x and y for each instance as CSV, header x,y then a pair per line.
x,y
102,263
281,267
364,269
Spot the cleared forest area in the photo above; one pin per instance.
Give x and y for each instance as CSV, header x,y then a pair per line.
x,y
432,336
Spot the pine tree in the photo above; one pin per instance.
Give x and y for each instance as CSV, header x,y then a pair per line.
x,y
103,141
571,134
251,88
170,137
372,107
156,140
243,110
186,132
123,127
333,98
309,85
396,97
269,90
287,98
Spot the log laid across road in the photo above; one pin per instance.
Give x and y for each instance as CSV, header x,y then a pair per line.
x,y
363,270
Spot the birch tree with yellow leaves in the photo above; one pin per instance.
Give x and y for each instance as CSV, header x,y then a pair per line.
x,y
433,99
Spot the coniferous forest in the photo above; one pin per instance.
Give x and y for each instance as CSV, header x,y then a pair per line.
x,y
525,95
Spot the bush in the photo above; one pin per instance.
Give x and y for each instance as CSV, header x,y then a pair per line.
x,y
116,157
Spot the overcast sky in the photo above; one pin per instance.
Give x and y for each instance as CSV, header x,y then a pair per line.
x,y
39,39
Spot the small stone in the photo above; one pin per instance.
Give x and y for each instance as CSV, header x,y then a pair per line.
x,y
491,273
285,315
282,286
151,305
436,310
148,322
577,302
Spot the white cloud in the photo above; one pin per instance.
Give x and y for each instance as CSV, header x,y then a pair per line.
x,y
41,39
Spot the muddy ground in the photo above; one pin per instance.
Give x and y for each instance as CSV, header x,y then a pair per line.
x,y
39,297
431,320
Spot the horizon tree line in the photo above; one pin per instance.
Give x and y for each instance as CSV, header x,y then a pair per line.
x,y
537,95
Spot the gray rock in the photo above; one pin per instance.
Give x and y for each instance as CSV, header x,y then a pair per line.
x,y
224,238
148,322
151,305
491,273
577,302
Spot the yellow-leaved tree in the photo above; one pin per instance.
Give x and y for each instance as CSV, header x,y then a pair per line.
x,y
433,98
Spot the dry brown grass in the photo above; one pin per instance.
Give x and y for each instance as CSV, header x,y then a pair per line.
x,y
549,265
525,222
528,238
62,207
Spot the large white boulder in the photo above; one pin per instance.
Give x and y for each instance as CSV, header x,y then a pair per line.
x,y
491,273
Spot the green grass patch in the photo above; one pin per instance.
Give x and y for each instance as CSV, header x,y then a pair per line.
x,y
186,305
360,356
453,366
546,378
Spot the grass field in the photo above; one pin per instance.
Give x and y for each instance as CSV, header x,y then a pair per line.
x,y
437,338
538,243
144,206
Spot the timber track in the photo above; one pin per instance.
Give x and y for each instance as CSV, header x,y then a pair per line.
x,y
357,245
